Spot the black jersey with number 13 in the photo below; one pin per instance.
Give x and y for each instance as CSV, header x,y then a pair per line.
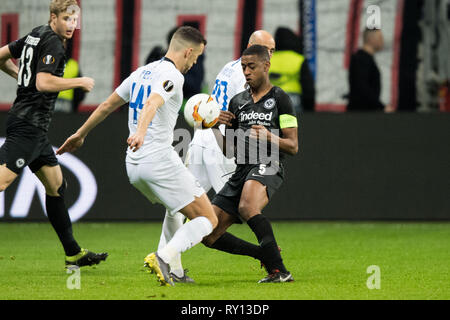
x,y
42,50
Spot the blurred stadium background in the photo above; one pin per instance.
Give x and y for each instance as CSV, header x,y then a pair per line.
x,y
351,166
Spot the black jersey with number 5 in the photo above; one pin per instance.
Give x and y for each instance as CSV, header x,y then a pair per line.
x,y
42,50
274,111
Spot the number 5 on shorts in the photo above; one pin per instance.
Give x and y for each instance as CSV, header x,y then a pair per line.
x,y
262,169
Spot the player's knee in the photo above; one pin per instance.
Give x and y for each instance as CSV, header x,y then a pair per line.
x,y
57,191
246,210
3,187
62,189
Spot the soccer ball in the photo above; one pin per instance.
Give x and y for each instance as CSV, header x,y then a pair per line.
x,y
201,111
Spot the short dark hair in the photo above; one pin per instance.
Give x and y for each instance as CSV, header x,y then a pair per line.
x,y
257,50
190,34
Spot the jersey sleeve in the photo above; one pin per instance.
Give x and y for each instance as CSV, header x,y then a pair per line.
x,y
50,55
16,47
238,83
226,86
167,85
234,88
286,111
124,89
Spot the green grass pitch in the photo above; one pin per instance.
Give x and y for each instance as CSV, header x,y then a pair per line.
x,y
328,260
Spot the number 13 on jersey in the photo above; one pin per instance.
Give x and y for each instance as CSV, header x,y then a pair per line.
x,y
24,78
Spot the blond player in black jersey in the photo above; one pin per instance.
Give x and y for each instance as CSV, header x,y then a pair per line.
x,y
39,79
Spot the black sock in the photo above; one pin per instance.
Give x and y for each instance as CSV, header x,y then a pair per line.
x,y
231,244
262,228
59,218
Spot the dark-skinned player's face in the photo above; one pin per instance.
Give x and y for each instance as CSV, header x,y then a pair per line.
x,y
255,70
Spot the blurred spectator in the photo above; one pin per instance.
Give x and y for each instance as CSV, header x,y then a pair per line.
x,y
291,72
157,53
194,78
69,100
364,75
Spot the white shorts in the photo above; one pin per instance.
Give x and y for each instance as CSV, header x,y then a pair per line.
x,y
166,181
209,166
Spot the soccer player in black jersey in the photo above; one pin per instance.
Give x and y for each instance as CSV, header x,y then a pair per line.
x,y
267,113
39,78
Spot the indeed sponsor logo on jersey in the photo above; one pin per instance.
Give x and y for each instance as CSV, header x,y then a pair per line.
x,y
255,116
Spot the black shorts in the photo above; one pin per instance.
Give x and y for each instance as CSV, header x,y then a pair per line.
x,y
229,197
26,145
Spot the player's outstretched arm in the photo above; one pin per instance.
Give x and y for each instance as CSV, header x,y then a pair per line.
x,y
46,82
6,65
152,104
76,140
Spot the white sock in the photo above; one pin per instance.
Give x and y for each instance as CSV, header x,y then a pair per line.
x,y
170,225
190,234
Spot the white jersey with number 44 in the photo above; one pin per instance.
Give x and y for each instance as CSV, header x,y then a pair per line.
x,y
163,78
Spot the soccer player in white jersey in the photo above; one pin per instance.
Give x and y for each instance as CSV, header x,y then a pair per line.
x,y
155,95
204,158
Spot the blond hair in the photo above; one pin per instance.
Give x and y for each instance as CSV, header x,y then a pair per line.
x,y
58,6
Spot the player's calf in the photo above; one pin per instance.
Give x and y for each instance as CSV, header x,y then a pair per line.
x,y
262,228
202,222
52,179
201,207
57,213
224,222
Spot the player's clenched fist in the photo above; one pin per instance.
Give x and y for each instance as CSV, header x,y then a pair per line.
x,y
87,84
259,132
135,142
